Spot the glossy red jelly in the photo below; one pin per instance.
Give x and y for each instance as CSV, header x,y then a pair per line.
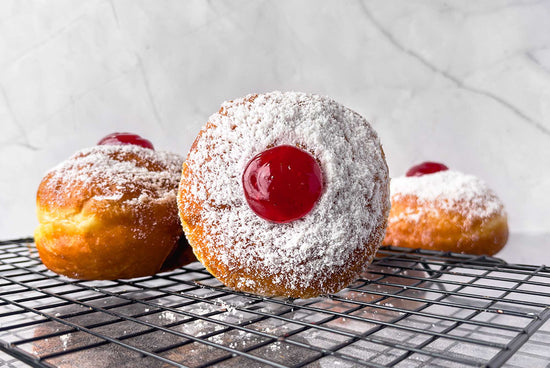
x,y
426,168
126,138
282,184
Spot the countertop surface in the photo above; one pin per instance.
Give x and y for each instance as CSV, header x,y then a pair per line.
x,y
521,248
531,249
408,309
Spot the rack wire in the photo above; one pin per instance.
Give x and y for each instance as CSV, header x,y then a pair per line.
x,y
413,308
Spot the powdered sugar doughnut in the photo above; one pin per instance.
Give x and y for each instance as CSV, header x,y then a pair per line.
x,y
446,211
319,253
110,212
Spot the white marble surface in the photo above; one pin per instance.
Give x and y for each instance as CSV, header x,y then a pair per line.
x,y
462,82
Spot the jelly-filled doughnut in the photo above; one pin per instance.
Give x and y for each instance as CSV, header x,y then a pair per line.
x,y
439,209
110,212
285,194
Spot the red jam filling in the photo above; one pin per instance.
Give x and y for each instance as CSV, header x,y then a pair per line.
x,y
282,184
126,138
426,168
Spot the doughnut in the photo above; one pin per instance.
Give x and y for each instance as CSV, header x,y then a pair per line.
x,y
285,194
439,209
110,212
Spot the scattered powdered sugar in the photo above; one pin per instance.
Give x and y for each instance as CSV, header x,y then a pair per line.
x,y
354,202
65,340
167,316
127,173
449,190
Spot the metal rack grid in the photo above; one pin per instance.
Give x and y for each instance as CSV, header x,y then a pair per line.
x,y
411,309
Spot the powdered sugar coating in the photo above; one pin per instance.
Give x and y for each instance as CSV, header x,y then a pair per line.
x,y
110,212
448,190
349,216
127,174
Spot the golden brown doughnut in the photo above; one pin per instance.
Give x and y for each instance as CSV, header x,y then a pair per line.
x,y
446,211
319,253
110,212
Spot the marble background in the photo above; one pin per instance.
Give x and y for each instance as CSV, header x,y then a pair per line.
x,y
466,83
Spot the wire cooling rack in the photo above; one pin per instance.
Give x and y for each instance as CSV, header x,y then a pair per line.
x,y
412,309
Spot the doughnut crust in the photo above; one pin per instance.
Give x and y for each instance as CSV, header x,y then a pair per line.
x,y
446,211
110,212
320,253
